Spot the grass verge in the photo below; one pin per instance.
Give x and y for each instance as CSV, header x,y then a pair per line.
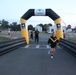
x,y
4,38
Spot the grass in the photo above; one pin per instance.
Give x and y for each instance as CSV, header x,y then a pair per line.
x,y
72,39
43,33
12,32
4,38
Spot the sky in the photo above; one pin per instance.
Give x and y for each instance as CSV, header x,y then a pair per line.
x,y
12,10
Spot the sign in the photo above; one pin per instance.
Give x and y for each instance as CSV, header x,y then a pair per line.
x,y
39,12
69,26
58,26
23,26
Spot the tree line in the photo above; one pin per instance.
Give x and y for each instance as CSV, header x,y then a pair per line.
x,y
44,26
4,25
14,26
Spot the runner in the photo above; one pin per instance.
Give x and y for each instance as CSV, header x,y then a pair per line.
x,y
53,41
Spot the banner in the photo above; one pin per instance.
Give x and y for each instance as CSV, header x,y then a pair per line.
x,y
39,12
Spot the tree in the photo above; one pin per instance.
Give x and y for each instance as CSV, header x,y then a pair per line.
x,y
0,24
18,27
49,24
14,26
45,27
30,27
41,26
4,24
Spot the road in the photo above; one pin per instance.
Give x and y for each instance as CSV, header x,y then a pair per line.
x,y
33,59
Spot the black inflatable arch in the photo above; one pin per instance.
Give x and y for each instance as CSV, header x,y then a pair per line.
x,y
48,12
40,12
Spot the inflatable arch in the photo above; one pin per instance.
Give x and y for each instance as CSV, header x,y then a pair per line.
x,y
40,12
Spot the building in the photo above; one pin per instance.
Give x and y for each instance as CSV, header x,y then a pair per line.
x,y
53,28
39,28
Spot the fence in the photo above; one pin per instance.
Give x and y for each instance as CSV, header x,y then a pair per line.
x,y
11,45
69,46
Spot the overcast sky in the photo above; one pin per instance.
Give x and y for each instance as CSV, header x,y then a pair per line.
x,y
12,10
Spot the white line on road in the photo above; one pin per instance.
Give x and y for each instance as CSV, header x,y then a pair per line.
x,y
47,46
37,46
26,46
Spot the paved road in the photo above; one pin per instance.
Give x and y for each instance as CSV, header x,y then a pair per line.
x,y
33,59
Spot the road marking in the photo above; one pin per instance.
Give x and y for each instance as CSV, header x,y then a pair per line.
x,y
27,46
47,46
37,46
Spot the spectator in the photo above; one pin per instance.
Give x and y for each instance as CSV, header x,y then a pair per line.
x,y
31,36
37,36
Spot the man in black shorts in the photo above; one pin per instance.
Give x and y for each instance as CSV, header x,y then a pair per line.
x,y
53,41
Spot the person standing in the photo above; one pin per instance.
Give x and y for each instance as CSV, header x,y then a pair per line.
x,y
31,35
9,31
37,36
53,41
64,35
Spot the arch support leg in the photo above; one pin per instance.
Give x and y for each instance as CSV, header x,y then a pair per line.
x,y
59,34
24,33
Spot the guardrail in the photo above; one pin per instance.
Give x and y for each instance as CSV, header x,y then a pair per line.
x,y
11,45
69,46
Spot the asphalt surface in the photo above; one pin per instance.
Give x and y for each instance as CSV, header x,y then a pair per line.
x,y
33,59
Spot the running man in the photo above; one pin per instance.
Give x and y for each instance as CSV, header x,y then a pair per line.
x,y
53,41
